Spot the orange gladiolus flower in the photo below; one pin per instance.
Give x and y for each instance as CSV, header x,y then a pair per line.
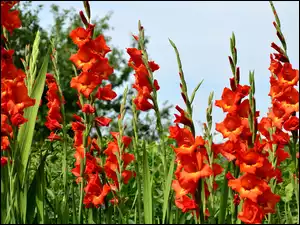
x,y
83,59
98,46
275,66
250,161
229,100
291,124
106,93
268,201
193,169
231,127
288,76
264,126
186,204
88,109
80,36
277,114
276,90
179,191
3,160
290,100
53,137
189,150
85,83
102,121
142,102
183,136
281,154
4,143
102,68
249,186
10,19
251,213
182,118
17,96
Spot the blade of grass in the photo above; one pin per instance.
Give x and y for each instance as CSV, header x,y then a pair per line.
x,y
73,205
25,135
168,187
147,188
224,197
40,192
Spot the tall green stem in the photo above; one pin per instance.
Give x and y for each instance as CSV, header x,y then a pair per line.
x,y
135,146
64,129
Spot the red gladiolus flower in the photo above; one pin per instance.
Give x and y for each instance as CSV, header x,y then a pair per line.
x,y
229,149
183,149
52,124
98,46
4,143
17,97
179,191
83,59
268,201
135,57
10,19
142,103
186,204
102,121
17,119
236,200
3,161
277,114
250,161
251,213
229,176
264,126
288,76
281,154
229,100
106,93
291,124
290,100
276,90
275,66
80,36
183,136
88,109
182,118
142,83
102,68
231,127
127,158
85,83
54,137
249,186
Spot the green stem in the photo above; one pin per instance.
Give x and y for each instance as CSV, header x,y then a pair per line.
x,y
199,199
135,141
64,164
184,87
224,197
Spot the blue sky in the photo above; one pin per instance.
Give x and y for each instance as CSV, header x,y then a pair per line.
x,y
201,31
